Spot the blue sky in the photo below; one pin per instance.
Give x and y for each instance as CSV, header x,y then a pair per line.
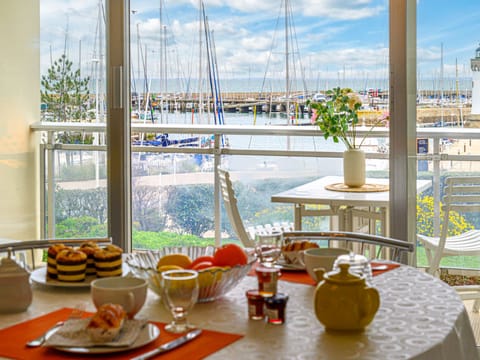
x,y
333,39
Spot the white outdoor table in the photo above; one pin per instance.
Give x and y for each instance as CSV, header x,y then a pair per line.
x,y
345,205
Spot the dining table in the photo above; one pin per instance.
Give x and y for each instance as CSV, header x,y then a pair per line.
x,y
341,203
420,317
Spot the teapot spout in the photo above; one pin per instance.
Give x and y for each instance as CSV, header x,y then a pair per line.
x,y
319,272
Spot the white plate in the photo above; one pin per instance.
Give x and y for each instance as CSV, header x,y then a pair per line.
x,y
289,267
148,334
39,276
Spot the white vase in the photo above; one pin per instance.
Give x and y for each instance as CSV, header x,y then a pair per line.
x,y
354,167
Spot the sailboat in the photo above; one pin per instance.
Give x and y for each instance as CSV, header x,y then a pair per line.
x,y
293,69
207,45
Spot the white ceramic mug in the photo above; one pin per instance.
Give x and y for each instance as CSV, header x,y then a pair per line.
x,y
320,258
130,292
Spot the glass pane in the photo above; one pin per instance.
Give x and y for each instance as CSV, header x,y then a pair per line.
x,y
197,64
72,69
447,122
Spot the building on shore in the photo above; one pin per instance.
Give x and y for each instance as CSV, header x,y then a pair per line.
x,y
475,66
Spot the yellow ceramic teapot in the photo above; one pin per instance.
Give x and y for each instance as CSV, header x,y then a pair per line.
x,y
343,301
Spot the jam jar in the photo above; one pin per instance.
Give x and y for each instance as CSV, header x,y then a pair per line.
x,y
275,308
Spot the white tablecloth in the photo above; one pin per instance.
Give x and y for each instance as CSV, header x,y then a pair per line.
x,y
420,317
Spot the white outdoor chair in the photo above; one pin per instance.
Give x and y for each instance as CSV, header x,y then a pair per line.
x,y
245,235
462,195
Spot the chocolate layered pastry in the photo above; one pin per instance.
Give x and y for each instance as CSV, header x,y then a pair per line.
x,y
71,265
52,259
108,261
89,248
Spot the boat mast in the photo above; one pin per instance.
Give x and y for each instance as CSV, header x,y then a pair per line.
x,y
200,63
441,84
162,79
287,65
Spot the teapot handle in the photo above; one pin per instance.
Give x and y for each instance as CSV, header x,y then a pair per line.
x,y
373,305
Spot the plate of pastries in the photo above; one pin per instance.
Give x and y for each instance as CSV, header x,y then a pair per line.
x,y
78,266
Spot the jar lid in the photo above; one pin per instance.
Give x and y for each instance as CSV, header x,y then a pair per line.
x,y
254,294
265,269
277,299
9,267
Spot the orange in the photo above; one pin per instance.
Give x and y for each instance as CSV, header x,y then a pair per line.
x,y
181,260
229,255
201,259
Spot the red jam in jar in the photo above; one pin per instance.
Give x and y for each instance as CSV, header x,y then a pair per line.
x,y
275,308
255,304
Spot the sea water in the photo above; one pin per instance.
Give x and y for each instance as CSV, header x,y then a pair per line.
x,y
318,166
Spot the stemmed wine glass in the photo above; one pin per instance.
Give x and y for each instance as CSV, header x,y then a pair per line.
x,y
180,293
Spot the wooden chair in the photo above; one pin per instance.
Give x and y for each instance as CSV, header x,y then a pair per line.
x,y
245,235
361,243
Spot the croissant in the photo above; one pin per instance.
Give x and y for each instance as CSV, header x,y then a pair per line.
x,y
299,245
106,323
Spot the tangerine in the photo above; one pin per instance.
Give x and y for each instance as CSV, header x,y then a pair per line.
x,y
230,255
181,260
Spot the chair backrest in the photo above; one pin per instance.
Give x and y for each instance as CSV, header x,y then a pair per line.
x,y
230,202
461,194
397,249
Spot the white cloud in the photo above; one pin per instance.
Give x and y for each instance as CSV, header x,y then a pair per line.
x,y
333,36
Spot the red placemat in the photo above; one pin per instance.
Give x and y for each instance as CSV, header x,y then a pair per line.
x,y
302,277
14,338
389,266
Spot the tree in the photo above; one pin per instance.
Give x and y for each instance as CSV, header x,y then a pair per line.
x,y
64,92
67,98
147,207
80,203
191,208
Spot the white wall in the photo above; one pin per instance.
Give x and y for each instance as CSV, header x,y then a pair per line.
x,y
20,107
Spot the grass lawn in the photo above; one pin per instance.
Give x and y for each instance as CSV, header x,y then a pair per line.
x,y
468,262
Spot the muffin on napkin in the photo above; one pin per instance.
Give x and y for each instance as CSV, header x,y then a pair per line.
x,y
107,327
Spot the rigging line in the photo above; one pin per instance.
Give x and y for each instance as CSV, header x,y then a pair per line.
x,y
221,119
217,81
270,52
294,37
214,86
209,63
148,105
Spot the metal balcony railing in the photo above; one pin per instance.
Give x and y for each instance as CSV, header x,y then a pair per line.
x,y
437,155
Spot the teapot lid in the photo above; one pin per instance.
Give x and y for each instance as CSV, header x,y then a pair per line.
x,y
352,259
9,267
344,276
